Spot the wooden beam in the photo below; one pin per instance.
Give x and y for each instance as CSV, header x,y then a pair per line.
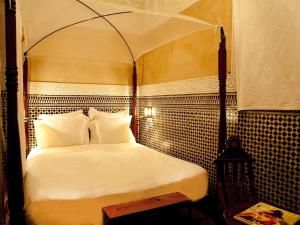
x,y
134,102
25,99
114,212
14,164
222,69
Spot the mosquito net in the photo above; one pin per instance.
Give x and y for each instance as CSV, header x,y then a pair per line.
x,y
102,30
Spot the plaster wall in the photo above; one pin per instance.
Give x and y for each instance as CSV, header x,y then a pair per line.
x,y
195,55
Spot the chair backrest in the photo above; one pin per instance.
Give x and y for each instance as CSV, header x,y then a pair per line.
x,y
235,179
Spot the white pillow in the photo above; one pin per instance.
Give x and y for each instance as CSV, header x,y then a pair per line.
x,y
60,116
94,126
111,130
62,132
95,114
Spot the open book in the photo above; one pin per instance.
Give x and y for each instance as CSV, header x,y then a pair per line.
x,y
265,214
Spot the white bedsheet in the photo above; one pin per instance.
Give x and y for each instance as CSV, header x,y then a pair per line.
x,y
96,170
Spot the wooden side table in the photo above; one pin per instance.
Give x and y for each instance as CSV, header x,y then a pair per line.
x,y
114,212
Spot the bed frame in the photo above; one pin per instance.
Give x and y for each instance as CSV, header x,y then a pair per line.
x,y
14,162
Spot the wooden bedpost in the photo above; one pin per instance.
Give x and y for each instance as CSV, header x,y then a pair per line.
x,y
25,99
134,101
14,163
222,64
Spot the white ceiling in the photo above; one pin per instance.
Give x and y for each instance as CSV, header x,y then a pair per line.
x,y
142,28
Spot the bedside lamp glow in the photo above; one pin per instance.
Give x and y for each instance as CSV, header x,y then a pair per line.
x,y
149,111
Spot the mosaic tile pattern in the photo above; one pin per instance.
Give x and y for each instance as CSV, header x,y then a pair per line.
x,y
273,140
186,126
38,104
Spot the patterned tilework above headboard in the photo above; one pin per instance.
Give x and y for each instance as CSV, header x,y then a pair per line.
x,y
273,139
52,104
186,126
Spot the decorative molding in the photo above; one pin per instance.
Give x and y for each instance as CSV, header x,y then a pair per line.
x,y
205,85
47,88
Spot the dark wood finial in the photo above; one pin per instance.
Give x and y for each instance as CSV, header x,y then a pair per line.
x,y
222,36
10,6
222,70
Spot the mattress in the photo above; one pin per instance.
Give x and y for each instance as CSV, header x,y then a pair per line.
x,y
70,185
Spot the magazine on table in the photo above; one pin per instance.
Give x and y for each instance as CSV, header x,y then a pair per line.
x,y
265,214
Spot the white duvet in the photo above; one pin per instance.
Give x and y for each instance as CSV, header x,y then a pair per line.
x,y
96,170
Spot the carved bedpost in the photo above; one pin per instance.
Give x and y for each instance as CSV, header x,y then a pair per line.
x,y
25,99
134,101
14,163
222,90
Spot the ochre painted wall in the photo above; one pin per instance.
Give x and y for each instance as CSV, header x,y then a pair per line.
x,y
74,70
193,56
78,56
190,57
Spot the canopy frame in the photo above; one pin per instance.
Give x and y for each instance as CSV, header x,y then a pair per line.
x,y
134,71
70,25
14,164
15,190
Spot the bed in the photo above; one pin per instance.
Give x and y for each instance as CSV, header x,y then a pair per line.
x,y
70,185
49,199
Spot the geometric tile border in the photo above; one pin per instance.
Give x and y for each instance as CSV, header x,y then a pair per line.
x,y
49,88
203,85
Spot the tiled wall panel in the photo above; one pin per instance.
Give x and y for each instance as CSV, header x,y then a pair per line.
x,y
273,139
186,126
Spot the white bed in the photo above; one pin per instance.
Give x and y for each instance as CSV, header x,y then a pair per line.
x,y
70,185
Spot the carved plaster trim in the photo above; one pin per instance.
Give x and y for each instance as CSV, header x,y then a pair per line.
x,y
47,88
191,86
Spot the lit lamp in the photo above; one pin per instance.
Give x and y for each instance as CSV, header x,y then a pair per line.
x,y
149,112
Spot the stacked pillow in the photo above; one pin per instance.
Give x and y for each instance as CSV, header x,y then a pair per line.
x,y
59,130
110,128
60,116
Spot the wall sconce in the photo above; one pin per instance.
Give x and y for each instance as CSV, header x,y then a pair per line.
x,y
149,112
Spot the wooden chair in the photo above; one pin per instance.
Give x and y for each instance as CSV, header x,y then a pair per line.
x,y
235,180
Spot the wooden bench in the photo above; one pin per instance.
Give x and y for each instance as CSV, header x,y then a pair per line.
x,y
114,212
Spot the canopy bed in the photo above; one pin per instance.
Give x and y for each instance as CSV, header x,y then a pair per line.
x,y
193,183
